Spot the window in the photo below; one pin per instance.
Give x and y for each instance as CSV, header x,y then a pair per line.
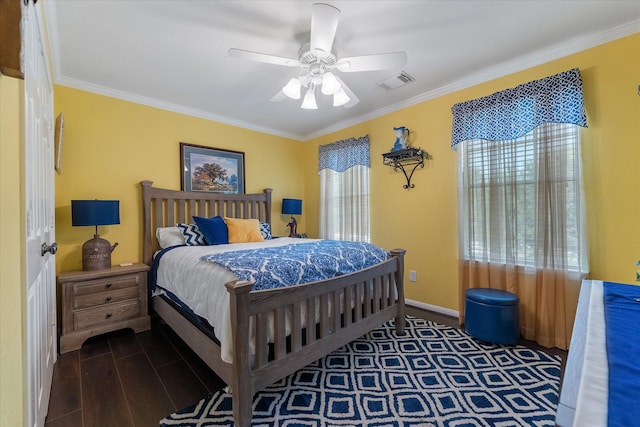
x,y
520,204
344,204
521,200
344,190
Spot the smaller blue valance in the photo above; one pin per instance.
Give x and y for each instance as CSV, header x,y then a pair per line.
x,y
342,155
512,113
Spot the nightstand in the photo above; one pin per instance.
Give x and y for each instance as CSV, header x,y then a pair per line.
x,y
95,302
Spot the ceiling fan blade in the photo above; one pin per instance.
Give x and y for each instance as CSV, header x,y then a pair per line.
x,y
382,61
262,57
324,23
353,99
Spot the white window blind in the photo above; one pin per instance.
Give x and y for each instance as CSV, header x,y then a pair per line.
x,y
344,204
521,200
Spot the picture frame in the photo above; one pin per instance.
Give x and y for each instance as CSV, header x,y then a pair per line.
x,y
58,139
213,170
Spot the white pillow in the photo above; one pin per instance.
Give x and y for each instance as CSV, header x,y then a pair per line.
x,y
169,236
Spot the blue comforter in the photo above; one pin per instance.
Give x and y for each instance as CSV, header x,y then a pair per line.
x,y
288,265
622,319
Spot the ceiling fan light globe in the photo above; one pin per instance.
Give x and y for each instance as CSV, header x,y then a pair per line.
x,y
330,84
309,101
292,88
340,98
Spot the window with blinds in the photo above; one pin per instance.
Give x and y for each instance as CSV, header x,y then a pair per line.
x,y
521,199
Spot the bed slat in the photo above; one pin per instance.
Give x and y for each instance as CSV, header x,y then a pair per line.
x,y
324,315
296,327
311,312
262,347
336,311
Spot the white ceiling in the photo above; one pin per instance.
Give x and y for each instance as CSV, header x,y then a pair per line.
x,y
173,54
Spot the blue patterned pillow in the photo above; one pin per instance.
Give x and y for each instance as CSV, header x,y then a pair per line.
x,y
214,229
192,234
265,230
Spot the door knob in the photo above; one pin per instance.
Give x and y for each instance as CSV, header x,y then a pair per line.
x,y
52,249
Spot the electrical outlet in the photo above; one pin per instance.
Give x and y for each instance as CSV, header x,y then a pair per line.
x,y
412,275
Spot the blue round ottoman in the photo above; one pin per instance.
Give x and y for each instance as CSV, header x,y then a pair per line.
x,y
491,315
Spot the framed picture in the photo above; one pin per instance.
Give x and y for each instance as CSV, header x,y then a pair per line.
x,y
211,169
58,138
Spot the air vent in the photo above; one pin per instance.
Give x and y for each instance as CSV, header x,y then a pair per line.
x,y
397,80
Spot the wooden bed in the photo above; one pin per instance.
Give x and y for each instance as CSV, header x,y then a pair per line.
x,y
378,289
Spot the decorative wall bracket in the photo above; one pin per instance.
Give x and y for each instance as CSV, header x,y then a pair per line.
x,y
407,161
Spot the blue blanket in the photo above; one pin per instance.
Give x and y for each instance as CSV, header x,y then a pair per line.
x,y
622,319
294,264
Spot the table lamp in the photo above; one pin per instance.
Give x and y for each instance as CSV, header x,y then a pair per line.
x,y
292,207
96,252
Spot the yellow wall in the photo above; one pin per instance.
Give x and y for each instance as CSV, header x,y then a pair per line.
x,y
12,319
423,220
111,145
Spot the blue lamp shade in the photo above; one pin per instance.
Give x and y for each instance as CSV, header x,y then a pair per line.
x,y
95,212
291,206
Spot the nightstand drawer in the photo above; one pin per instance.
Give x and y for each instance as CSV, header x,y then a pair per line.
x,y
111,313
105,297
93,286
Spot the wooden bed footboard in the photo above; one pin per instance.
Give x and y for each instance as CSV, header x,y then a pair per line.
x,y
275,332
345,308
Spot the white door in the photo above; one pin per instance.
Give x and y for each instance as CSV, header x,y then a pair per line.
x,y
40,221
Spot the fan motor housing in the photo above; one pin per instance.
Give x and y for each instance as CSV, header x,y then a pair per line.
x,y
307,57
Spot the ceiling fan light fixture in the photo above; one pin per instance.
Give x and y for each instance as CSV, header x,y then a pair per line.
x,y
292,88
330,84
309,101
317,59
340,98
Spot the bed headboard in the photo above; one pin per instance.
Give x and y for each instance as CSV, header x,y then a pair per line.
x,y
166,208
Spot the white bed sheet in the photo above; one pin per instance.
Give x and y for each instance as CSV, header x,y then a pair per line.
x,y
200,284
591,405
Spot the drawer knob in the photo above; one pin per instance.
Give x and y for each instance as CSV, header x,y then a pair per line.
x,y
108,315
108,285
107,299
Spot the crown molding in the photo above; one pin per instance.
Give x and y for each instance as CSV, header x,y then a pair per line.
x,y
499,70
169,106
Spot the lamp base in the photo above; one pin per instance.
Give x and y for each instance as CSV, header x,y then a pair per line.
x,y
293,225
96,254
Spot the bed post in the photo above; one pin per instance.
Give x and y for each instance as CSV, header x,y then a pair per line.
x,y
399,276
147,258
267,192
242,387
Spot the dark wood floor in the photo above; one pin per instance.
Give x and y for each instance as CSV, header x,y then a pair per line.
x,y
124,379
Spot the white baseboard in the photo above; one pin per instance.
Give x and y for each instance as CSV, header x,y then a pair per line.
x,y
434,308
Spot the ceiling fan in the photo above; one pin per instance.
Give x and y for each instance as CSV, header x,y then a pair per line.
x,y
317,61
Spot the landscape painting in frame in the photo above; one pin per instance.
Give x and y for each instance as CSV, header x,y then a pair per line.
x,y
211,169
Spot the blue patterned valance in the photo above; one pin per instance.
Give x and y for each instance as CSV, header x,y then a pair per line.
x,y
342,155
512,113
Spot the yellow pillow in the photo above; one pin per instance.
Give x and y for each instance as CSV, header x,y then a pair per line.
x,y
243,230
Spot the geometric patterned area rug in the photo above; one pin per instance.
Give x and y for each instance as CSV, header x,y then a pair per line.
x,y
434,375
